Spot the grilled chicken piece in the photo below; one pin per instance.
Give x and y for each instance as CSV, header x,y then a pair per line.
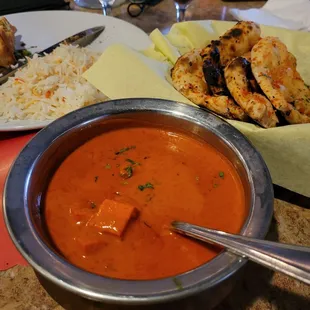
x,y
7,32
213,72
226,107
187,78
274,69
243,88
235,42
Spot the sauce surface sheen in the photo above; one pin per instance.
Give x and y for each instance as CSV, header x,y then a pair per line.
x,y
171,177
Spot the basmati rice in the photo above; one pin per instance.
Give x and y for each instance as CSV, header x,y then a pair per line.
x,y
50,86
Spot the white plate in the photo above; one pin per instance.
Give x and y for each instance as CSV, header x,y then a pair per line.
x,y
45,28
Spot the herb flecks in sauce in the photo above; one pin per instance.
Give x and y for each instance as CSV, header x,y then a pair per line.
x,y
92,205
127,172
133,163
125,149
107,166
21,54
96,178
149,198
147,225
146,185
178,283
221,174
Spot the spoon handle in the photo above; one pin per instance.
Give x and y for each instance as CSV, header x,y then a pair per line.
x,y
289,259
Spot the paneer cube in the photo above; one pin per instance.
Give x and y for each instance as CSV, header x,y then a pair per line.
x,y
113,217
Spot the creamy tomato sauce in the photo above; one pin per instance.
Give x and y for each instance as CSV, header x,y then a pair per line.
x,y
165,176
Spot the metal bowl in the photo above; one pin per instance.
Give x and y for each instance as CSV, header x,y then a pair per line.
x,y
33,168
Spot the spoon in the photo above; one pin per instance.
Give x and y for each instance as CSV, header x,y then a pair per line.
x,y
289,259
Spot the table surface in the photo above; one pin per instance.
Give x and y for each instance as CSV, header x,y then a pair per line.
x,y
163,15
259,288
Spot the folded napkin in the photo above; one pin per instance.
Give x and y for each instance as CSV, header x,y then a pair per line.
x,y
289,14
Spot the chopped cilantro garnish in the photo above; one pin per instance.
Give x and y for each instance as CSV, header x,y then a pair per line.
x,y
149,198
107,166
125,149
178,283
221,174
146,185
128,171
21,54
26,53
134,163
215,185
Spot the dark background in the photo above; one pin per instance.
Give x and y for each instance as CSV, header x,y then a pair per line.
x,y
14,6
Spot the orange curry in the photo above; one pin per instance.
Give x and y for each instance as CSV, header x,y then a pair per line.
x,y
109,205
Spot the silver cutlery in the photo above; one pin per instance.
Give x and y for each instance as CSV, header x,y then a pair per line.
x,y
82,39
289,259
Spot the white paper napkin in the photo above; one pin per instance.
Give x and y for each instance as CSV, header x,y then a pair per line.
x,y
290,14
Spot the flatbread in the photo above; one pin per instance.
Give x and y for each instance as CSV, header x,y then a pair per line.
x,y
239,81
187,78
274,69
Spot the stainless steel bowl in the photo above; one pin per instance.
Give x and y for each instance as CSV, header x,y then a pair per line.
x,y
33,168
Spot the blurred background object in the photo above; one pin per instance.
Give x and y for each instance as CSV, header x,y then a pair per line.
x,y
181,6
136,7
9,7
88,4
105,5
240,0
287,14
